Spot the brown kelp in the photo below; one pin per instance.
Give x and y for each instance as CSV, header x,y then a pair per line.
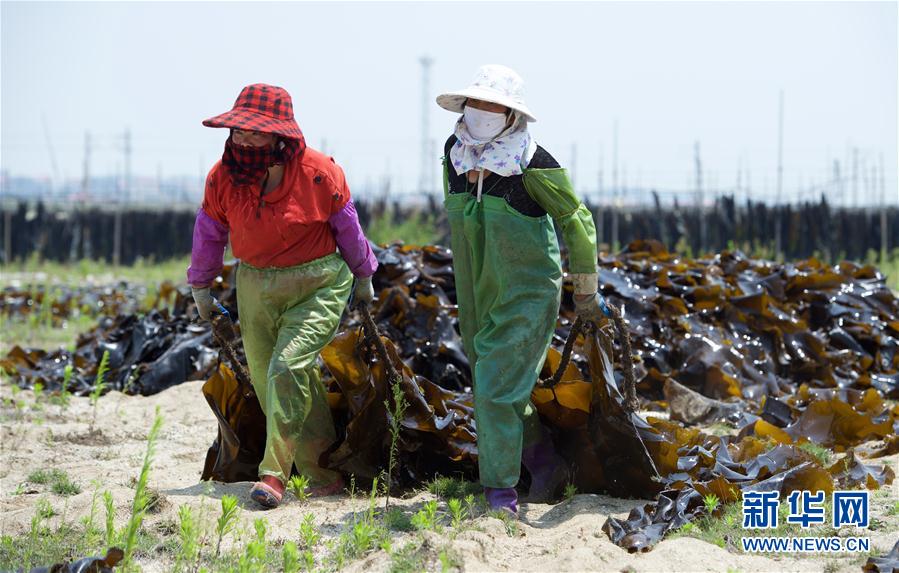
x,y
782,354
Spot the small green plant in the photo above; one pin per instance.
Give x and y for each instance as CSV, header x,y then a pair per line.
x,y
42,511
408,559
470,505
822,454
298,486
456,512
141,499
309,536
510,523
687,528
570,491
59,481
426,517
449,487
188,535
63,398
397,413
88,520
365,534
397,520
38,390
253,558
308,560
226,520
449,561
110,519
99,385
63,485
711,503
290,558
40,477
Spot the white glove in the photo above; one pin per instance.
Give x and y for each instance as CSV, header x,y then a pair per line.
x,y
363,292
205,301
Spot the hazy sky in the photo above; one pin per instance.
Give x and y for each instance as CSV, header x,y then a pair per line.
x,y
669,73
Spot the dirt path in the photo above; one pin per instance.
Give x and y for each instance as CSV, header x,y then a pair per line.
x,y
564,537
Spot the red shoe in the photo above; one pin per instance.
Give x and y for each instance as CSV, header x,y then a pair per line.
x,y
333,488
267,492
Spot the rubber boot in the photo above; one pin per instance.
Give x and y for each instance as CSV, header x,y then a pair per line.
x,y
502,499
267,492
548,470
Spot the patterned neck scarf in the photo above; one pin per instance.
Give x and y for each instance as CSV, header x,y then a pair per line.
x,y
506,154
247,165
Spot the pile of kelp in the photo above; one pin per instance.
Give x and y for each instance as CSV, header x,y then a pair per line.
x,y
54,305
145,352
785,354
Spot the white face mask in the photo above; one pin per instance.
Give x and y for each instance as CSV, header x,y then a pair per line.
x,y
483,125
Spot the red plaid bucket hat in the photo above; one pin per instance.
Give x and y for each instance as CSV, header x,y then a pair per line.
x,y
261,107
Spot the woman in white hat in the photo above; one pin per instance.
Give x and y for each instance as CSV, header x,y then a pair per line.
x,y
503,195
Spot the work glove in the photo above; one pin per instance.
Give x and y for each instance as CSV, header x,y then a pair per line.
x,y
363,292
205,301
592,308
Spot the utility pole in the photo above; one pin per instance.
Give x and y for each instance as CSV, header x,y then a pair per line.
x,y
86,168
159,180
884,237
127,166
855,177
700,200
56,175
838,181
599,194
614,193
426,179
126,193
780,175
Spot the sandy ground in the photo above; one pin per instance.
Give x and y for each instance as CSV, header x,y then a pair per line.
x,y
563,537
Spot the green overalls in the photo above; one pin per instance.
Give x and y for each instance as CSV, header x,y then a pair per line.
x,y
287,316
508,274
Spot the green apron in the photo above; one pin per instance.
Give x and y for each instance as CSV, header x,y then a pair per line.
x,y
287,316
508,285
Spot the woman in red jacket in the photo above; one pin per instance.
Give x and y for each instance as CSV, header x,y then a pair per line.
x,y
291,221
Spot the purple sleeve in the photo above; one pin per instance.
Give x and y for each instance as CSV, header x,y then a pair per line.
x,y
207,254
351,241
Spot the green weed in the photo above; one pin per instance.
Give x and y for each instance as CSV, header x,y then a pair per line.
x,y
308,534
426,517
298,486
226,521
141,499
397,413
822,454
99,386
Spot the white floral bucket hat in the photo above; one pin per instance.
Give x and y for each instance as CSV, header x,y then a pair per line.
x,y
493,83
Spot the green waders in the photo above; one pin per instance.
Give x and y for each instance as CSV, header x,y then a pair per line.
x,y
508,285
287,316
